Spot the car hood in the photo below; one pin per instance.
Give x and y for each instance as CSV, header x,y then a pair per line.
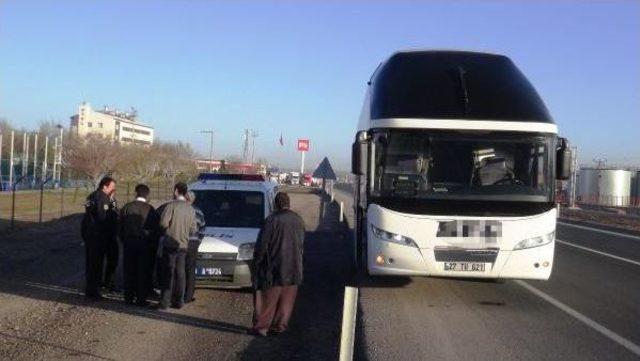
x,y
226,240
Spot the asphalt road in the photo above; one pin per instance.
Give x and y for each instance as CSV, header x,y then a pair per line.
x,y
588,310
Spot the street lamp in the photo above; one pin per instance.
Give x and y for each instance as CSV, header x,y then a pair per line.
x,y
210,132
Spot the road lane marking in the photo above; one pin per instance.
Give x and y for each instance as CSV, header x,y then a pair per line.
x,y
599,252
584,319
349,312
600,230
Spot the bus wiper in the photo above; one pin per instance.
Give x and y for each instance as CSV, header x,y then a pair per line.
x,y
463,87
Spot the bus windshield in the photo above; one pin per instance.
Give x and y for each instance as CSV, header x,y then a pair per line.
x,y
470,166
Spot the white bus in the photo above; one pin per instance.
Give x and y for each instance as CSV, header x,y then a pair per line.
x,y
455,162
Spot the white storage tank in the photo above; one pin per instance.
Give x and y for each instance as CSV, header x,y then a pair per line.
x,y
605,187
615,187
587,190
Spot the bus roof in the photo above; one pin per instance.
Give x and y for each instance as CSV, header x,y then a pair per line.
x,y
454,85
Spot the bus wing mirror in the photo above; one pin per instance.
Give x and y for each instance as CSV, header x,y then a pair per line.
x,y
563,160
359,154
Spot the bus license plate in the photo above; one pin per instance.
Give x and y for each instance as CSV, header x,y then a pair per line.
x,y
209,271
464,266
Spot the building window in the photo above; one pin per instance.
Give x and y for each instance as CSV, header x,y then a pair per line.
x,y
89,124
99,125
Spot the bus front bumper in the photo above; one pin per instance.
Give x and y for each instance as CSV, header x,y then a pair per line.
x,y
388,258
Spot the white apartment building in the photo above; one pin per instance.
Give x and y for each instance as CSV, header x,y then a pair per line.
x,y
122,127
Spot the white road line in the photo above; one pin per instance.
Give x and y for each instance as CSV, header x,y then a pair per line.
x,y
584,319
600,230
349,312
599,252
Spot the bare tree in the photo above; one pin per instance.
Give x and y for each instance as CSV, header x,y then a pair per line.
x,y
92,157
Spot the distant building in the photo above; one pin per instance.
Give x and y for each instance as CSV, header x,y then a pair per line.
x,y
121,127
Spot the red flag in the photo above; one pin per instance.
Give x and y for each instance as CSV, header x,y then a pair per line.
x,y
281,140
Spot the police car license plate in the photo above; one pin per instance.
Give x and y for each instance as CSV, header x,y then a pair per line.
x,y
465,266
209,271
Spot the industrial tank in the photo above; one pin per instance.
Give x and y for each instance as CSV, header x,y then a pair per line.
x,y
615,187
606,187
587,191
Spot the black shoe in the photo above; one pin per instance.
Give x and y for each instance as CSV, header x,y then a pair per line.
x,y
160,307
274,332
190,300
177,306
128,301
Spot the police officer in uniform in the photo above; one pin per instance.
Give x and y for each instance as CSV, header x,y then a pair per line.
x,y
113,250
96,230
138,233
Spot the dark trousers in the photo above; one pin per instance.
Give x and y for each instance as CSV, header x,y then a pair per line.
x,y
95,249
112,253
152,266
190,263
136,279
273,308
173,277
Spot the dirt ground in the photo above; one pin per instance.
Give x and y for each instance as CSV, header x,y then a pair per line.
x,y
44,316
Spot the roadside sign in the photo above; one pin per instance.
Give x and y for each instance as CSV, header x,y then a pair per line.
x,y
303,145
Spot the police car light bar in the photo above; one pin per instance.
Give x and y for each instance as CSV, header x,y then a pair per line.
x,y
231,177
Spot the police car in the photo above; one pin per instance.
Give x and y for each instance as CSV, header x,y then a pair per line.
x,y
235,207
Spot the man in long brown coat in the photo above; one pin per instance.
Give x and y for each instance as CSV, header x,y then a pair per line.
x,y
277,268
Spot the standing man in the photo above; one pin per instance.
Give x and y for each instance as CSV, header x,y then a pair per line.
x,y
113,251
96,227
178,221
192,250
277,268
138,233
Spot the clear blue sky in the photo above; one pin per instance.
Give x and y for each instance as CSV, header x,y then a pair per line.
x,y
300,67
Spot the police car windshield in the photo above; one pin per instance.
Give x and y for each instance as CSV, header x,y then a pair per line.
x,y
225,208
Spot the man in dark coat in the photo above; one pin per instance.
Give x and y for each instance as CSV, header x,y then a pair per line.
x,y
113,250
192,250
97,227
277,272
139,232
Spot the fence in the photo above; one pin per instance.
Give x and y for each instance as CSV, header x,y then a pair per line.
x,y
24,208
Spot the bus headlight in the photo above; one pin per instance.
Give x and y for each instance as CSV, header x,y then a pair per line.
x,y
392,237
245,251
535,241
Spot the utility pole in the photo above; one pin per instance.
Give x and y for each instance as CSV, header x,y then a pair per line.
x,y
55,161
44,161
245,149
60,163
574,177
11,160
210,132
24,151
254,135
35,159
